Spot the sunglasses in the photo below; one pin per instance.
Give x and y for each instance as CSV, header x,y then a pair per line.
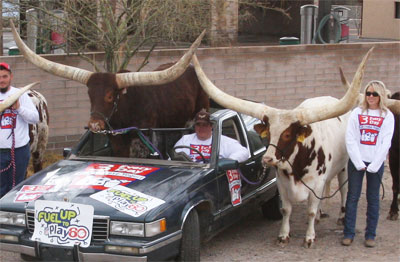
x,y
374,94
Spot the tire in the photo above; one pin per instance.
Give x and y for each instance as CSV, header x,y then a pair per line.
x,y
272,208
190,242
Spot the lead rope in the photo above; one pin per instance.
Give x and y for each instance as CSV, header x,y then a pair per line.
x,y
12,163
322,198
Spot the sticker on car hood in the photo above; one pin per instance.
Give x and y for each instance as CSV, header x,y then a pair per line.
x,y
63,223
29,193
127,200
103,176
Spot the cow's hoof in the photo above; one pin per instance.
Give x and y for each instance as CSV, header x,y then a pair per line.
x,y
308,243
392,216
282,241
340,221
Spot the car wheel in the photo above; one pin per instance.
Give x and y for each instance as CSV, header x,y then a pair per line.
x,y
26,257
272,208
190,242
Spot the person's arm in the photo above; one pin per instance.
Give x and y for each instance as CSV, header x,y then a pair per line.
x,y
27,110
233,149
353,139
385,134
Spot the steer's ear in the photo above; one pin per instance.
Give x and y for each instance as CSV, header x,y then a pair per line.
x,y
304,132
262,130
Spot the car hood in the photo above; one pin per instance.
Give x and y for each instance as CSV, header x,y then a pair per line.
x,y
78,182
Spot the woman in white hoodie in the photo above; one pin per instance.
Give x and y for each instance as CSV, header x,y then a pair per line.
x,y
368,139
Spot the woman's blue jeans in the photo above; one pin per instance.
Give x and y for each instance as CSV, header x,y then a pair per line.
x,y
353,195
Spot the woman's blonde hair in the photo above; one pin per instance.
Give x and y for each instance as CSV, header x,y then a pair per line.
x,y
380,88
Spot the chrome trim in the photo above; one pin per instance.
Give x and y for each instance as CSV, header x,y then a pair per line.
x,y
161,242
106,257
266,185
190,209
17,248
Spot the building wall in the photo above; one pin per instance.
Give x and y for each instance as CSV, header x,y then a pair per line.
x,y
378,20
280,76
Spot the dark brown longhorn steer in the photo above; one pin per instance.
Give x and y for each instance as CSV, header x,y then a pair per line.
x,y
166,98
394,159
306,144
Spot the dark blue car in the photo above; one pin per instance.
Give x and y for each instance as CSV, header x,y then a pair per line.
x,y
96,207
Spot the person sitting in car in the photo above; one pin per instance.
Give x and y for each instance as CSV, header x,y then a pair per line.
x,y
202,138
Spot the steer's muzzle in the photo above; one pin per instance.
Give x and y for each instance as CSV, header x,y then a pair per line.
x,y
96,125
269,161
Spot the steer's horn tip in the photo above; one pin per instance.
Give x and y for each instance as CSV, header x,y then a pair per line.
x,y
342,76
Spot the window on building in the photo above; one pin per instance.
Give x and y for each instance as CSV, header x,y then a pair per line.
x,y
397,10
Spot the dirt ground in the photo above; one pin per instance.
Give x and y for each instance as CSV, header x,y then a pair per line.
x,y
253,238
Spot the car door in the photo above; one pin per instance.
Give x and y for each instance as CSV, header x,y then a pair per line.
x,y
230,200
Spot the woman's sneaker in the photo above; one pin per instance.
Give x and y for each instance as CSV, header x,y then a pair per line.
x,y
369,243
347,241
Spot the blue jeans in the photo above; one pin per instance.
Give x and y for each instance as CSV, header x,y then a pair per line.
x,y
353,195
22,155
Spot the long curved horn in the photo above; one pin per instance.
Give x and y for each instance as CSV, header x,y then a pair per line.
x,y
159,77
303,115
392,104
14,97
247,107
346,103
57,69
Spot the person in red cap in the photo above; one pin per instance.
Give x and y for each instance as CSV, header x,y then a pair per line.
x,y
14,133
202,138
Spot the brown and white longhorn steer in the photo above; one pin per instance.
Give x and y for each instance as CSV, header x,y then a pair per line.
x,y
39,132
306,144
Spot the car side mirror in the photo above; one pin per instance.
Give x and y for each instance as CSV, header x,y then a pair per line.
x,y
227,164
66,152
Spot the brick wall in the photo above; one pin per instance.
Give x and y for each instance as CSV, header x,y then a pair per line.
x,y
280,76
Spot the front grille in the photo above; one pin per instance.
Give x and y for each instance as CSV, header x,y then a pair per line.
x,y
99,232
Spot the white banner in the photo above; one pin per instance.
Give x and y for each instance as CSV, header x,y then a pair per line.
x,y
63,223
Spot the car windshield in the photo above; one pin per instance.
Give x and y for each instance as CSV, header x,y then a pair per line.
x,y
154,143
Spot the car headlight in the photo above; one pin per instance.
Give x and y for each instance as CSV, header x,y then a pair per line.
x,y
11,218
138,229
127,228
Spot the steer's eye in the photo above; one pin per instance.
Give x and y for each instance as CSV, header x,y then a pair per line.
x,y
108,98
286,136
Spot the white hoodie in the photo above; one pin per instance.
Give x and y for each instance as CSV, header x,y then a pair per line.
x,y
368,137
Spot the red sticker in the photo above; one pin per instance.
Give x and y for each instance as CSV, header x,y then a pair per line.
x,y
103,176
235,185
30,193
